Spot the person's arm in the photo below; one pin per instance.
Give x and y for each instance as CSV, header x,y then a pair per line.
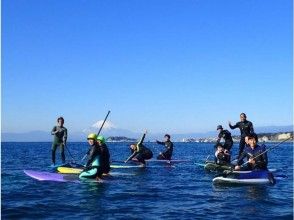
x,y
234,126
251,128
53,131
160,142
219,137
92,154
131,157
240,160
65,136
142,139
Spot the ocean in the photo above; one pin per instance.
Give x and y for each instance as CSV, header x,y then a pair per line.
x,y
182,191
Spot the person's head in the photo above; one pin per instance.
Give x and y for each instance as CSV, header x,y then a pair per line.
x,y
220,147
167,137
243,117
246,140
252,140
60,121
133,146
92,139
100,140
219,127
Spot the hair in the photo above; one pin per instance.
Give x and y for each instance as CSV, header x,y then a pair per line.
x,y
219,145
253,135
60,118
167,135
243,114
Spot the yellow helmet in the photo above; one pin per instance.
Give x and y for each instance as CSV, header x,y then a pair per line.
x,y
92,136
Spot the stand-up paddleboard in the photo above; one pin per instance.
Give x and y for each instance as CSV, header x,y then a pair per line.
x,y
47,176
71,165
210,166
167,161
68,170
156,161
57,177
245,178
216,167
136,166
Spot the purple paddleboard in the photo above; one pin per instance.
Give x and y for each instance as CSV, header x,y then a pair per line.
x,y
47,176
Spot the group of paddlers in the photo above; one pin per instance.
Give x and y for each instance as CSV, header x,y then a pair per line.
x,y
248,147
99,157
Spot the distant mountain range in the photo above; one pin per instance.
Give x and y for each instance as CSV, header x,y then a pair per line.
x,y
43,136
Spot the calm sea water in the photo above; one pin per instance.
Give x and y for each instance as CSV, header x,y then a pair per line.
x,y
181,192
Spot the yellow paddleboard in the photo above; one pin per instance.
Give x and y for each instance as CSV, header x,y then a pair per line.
x,y
69,170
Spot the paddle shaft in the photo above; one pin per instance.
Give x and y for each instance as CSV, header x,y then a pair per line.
x,y
103,123
98,132
69,152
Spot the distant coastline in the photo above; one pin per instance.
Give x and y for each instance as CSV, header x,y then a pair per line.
x,y
262,137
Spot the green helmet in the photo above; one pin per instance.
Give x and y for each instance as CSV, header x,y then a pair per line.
x,y
92,136
101,139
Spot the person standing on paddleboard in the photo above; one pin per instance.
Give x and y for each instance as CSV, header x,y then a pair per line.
x,y
139,152
246,128
226,135
169,146
60,137
257,159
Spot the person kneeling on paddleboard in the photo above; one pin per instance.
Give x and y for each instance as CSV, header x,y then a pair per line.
x,y
256,156
169,146
105,156
139,152
94,166
222,155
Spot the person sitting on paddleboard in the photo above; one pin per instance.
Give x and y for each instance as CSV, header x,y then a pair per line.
x,y
226,135
60,137
169,146
256,156
222,155
105,156
94,166
246,128
139,152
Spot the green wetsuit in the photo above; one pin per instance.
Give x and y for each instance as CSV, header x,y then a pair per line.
x,y
59,140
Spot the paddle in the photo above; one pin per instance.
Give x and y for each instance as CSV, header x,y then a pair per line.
x,y
225,174
69,153
98,132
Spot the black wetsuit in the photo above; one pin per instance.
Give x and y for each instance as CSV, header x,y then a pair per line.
x,y
246,128
141,153
104,159
167,154
98,163
226,135
59,140
260,162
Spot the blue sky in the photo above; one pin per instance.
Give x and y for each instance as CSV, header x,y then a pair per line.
x,y
169,66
